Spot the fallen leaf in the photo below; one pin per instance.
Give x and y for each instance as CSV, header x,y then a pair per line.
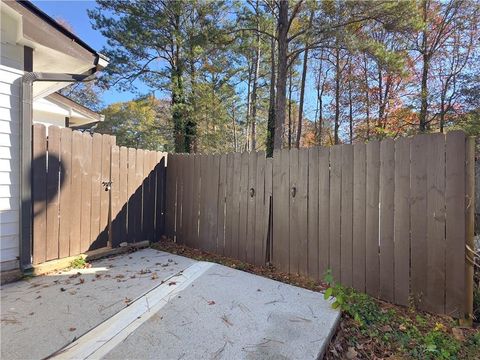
x,y
63,289
351,353
72,329
458,334
127,301
154,276
402,327
386,328
211,302
172,283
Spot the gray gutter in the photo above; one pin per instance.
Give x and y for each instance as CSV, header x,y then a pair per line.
x,y
26,154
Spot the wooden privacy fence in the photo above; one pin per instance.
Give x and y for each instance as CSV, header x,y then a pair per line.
x,y
71,172
388,218
220,203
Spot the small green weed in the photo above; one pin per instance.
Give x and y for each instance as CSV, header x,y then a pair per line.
x,y
409,335
78,263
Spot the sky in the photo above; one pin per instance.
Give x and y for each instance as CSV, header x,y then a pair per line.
x,y
74,12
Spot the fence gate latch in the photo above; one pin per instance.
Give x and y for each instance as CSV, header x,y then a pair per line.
x,y
107,185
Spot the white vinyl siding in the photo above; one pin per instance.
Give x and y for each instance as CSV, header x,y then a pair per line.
x,y
9,166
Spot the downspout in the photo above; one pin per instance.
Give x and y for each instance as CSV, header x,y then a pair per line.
x,y
26,117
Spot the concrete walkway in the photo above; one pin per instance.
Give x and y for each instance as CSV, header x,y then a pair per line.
x,y
178,308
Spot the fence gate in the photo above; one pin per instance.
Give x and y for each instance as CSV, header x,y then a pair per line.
x,y
220,203
71,208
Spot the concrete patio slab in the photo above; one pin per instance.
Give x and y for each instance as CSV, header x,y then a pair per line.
x,y
214,312
41,315
154,305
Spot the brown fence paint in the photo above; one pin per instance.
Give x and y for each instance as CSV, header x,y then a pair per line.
x,y
388,218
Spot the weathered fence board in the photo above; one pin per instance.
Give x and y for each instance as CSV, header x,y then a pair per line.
x,y
386,198
359,217
372,262
71,209
455,223
39,193
402,221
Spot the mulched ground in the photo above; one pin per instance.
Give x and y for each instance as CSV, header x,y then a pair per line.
x,y
350,340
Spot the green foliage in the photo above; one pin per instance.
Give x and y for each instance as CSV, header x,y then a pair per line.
x,y
415,338
78,263
142,123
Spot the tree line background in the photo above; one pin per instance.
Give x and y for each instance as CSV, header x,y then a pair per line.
x,y
262,74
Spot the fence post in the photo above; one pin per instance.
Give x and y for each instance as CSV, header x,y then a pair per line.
x,y
469,231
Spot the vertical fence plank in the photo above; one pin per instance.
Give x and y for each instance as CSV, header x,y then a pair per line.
x,y
104,195
359,223
281,208
294,216
138,195
196,200
251,207
187,199
202,219
146,196
335,210
131,185
222,186
160,174
96,171
86,167
313,216
418,220
323,211
65,209
39,193
268,242
229,206
455,223
260,204
212,212
120,230
180,180
53,191
435,295
402,221
372,280
237,162
115,196
243,211
346,240
78,152
302,215
387,191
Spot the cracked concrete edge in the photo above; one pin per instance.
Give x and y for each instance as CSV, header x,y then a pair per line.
x,y
331,333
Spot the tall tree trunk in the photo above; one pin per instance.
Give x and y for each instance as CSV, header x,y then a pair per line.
x,y
337,97
425,71
282,25
290,109
350,104
191,125
302,87
256,70
380,97
234,123
367,97
249,107
271,103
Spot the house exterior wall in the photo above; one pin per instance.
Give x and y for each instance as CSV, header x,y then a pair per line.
x,y
11,71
